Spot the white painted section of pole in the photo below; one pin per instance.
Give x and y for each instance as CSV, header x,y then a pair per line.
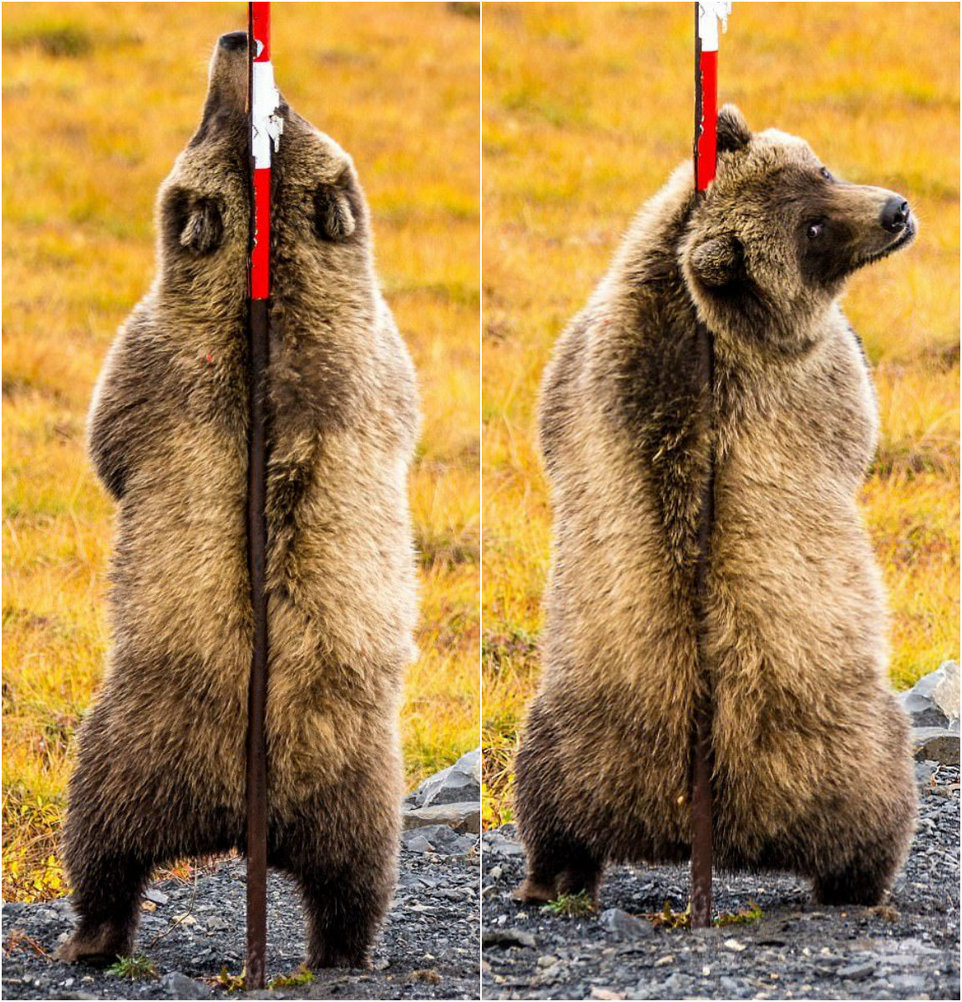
x,y
710,12
266,124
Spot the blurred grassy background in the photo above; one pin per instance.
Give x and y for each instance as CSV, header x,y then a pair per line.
x,y
97,101
587,108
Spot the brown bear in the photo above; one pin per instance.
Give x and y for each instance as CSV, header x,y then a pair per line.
x,y
812,770
160,771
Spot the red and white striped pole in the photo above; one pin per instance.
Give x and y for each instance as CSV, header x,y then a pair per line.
x,y
265,128
707,17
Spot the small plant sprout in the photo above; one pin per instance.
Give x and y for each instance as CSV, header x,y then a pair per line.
x,y
571,905
138,967
230,982
302,976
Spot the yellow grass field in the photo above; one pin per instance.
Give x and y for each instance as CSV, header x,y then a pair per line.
x,y
587,108
98,99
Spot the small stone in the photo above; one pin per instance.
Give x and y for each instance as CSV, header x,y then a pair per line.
x,y
664,961
859,971
179,986
418,844
911,984
495,872
622,925
507,938
158,897
547,960
606,993
736,946
216,923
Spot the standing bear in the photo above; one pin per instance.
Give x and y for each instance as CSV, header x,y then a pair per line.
x,y
812,769
161,762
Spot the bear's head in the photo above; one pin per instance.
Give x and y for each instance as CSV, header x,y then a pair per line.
x,y
319,219
771,242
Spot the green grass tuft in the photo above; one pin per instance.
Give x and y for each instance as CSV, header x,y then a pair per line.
x,y
571,905
134,968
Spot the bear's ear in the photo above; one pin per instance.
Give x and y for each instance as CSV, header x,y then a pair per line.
x,y
718,262
203,228
733,131
333,213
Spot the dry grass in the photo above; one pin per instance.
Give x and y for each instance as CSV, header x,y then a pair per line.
x,y
587,107
98,99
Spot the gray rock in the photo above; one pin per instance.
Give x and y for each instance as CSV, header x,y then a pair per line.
x,y
940,744
158,897
179,986
924,772
462,816
437,838
507,937
911,984
459,783
417,843
858,972
498,845
623,926
934,700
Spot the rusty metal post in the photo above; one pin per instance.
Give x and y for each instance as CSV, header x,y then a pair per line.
x,y
707,17
262,103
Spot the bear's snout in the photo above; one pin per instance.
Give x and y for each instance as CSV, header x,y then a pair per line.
x,y
895,214
228,73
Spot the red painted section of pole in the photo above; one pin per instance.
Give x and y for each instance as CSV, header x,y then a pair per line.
x,y
258,38
261,23
706,144
261,251
260,31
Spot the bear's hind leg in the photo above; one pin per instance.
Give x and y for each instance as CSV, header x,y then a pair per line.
x,y
345,865
558,862
867,871
344,906
107,888
865,880
557,865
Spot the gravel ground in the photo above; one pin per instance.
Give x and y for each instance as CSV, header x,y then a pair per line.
x,y
910,950
427,949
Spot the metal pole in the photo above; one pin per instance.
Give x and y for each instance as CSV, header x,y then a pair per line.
x,y
707,16
262,103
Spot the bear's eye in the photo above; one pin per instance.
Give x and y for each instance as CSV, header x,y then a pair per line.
x,y
826,173
814,230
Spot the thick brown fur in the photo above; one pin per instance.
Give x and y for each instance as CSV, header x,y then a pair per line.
x,y
812,770
161,759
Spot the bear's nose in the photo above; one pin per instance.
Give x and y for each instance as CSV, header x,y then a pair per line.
x,y
895,214
233,41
